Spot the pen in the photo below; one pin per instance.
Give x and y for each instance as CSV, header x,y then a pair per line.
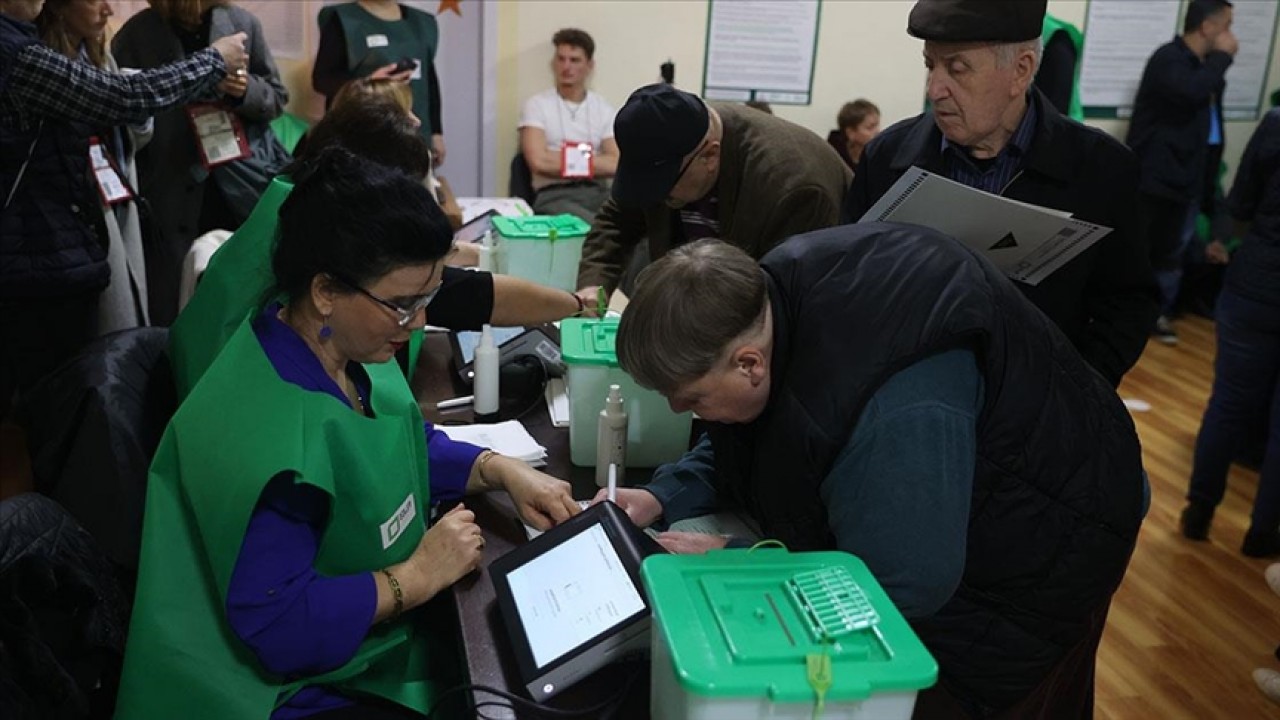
x,y
455,402
613,483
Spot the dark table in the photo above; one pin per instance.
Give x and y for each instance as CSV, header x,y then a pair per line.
x,y
488,655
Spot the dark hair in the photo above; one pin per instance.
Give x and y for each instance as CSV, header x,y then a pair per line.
x,y
1199,11
574,37
376,128
760,105
853,113
355,219
686,309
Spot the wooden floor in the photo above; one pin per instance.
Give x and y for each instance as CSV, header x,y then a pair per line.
x,y
1192,619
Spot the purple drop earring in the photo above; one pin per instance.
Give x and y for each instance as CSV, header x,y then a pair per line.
x,y
325,330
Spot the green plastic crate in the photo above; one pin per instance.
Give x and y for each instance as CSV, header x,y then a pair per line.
x,y
735,631
541,248
655,434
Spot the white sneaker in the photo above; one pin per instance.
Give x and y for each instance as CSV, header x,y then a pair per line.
x,y
1268,682
1272,574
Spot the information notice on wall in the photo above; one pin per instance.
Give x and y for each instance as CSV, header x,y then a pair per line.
x,y
1119,36
1255,27
759,50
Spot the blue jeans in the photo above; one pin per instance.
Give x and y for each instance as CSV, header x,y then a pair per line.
x,y
1246,392
1169,268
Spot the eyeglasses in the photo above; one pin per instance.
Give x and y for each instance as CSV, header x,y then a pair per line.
x,y
685,168
404,315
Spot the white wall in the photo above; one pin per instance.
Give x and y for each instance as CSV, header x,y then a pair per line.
x,y
863,51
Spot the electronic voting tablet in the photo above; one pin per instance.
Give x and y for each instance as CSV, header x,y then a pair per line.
x,y
571,599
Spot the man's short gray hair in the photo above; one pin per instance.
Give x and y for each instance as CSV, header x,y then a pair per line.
x,y
1007,53
686,309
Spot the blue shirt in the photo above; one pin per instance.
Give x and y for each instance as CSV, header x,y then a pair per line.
x,y
991,175
297,622
898,494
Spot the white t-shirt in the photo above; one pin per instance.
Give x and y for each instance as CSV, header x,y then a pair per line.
x,y
589,121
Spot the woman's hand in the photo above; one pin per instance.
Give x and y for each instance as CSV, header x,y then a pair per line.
x,y
450,549
437,150
686,543
235,84
640,505
388,72
541,500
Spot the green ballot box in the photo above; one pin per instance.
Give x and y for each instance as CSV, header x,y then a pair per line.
x,y
541,248
770,633
655,434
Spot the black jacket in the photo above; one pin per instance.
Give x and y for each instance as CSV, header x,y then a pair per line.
x,y
1170,127
1057,486
1105,299
1254,271
52,239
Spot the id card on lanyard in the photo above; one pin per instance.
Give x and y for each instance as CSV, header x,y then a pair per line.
x,y
111,185
219,134
577,160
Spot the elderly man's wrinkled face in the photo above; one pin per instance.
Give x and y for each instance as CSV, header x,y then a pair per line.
x,y
971,92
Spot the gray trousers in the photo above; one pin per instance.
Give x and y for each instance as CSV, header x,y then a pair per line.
x,y
582,199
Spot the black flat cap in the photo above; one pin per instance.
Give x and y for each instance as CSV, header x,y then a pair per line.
x,y
961,21
657,127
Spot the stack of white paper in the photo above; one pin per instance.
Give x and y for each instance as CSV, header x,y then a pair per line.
x,y
506,438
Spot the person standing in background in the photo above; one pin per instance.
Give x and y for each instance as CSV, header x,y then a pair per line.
x,y
189,186
370,38
1060,66
857,124
556,124
77,29
1246,372
53,259
1176,132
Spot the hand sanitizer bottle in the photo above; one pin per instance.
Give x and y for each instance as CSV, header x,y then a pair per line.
x,y
611,437
485,382
485,252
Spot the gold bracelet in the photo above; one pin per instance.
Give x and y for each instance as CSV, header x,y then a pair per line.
x,y
396,593
485,457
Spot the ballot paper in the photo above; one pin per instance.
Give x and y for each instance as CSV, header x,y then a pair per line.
x,y
1026,242
505,438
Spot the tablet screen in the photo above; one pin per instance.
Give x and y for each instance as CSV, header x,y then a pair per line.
x,y
576,591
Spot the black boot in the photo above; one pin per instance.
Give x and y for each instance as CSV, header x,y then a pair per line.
x,y
1260,544
1195,521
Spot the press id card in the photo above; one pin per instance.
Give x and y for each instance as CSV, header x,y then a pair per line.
x,y
576,160
111,186
219,134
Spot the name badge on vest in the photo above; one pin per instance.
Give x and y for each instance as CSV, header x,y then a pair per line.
x,y
395,525
219,134
111,186
375,41
576,160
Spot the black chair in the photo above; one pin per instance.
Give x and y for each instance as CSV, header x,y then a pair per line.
x,y
521,183
93,426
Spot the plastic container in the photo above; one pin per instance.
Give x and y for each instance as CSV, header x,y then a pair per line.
x,y
655,435
736,632
541,248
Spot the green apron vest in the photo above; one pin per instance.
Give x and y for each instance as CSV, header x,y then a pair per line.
x,y
415,36
239,428
1053,25
233,288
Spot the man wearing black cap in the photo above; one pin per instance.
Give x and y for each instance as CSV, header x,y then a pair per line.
x,y
989,129
691,170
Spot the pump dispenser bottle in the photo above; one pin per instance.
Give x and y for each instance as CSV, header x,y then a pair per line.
x,y
611,437
485,383
486,259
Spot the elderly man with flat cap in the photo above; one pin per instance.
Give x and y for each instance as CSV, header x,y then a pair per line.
x,y
691,170
988,128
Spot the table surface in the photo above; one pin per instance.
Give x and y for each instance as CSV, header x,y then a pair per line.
x,y
489,658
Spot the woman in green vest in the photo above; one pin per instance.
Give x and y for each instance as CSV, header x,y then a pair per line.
x,y
369,38
286,550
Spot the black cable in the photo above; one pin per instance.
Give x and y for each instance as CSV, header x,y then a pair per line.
x,y
515,702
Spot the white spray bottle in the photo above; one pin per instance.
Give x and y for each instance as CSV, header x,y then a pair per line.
x,y
485,383
611,437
